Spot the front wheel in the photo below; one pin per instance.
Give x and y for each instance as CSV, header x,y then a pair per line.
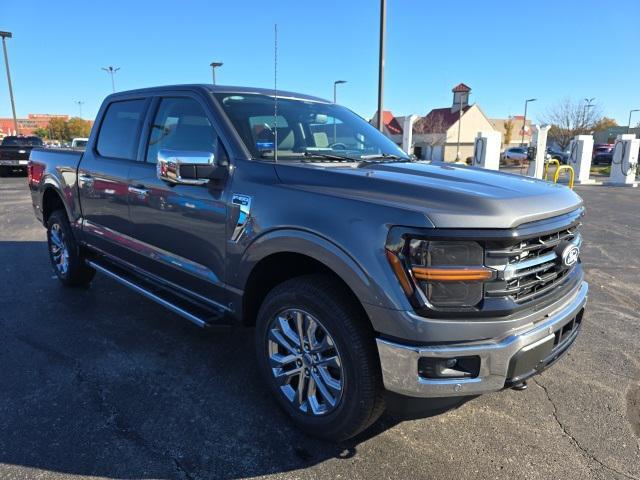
x,y
66,257
317,354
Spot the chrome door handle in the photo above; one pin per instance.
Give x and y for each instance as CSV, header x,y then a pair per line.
x,y
86,179
138,190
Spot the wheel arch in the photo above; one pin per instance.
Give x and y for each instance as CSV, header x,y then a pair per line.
x,y
281,255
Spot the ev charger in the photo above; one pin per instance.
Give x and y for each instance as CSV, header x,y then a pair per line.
x,y
407,133
624,162
580,158
539,141
486,151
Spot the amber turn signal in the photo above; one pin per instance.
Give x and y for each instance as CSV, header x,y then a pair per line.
x,y
451,274
400,272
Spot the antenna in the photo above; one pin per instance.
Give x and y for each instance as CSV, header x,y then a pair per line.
x,y
275,90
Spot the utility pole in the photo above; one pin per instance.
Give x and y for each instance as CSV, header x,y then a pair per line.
x,y
4,36
459,129
214,65
112,71
629,123
80,103
524,121
383,22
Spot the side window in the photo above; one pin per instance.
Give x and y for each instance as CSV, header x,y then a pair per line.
x,y
118,137
180,124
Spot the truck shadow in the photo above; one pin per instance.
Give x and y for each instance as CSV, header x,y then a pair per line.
x,y
102,382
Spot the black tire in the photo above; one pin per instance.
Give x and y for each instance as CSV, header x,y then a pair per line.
x,y
362,402
77,273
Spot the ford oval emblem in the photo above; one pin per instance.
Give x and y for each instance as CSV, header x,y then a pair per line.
x,y
570,255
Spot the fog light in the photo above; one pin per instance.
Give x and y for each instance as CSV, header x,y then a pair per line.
x,y
456,367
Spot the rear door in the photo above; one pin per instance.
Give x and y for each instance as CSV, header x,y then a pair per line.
x,y
103,176
179,230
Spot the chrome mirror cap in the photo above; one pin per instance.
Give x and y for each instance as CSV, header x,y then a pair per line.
x,y
188,167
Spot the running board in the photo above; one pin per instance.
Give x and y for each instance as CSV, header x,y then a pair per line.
x,y
210,320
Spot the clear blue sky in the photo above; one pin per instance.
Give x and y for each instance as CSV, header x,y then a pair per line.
x,y
506,51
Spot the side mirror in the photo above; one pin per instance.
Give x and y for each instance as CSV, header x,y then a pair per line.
x,y
186,167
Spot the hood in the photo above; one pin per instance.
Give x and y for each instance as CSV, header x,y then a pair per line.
x,y
450,196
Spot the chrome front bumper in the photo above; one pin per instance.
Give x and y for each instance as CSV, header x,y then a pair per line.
x,y
400,362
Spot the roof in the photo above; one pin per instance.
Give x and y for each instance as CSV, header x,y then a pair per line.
x,y
390,122
461,87
224,89
438,120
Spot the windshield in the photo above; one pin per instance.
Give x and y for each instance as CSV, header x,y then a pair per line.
x,y
304,129
22,141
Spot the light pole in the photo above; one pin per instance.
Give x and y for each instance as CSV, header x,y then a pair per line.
x,y
460,127
214,65
112,71
588,103
629,123
4,36
524,122
79,103
383,21
336,83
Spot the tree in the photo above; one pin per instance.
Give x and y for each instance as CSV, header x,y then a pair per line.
x,y
569,118
58,128
77,127
508,130
603,124
41,132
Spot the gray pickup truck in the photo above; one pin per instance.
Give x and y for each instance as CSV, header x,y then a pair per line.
x,y
368,275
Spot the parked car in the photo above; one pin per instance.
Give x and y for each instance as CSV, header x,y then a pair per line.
x,y
556,154
602,154
79,142
14,152
366,274
515,153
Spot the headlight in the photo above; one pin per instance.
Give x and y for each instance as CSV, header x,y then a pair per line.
x,y
446,274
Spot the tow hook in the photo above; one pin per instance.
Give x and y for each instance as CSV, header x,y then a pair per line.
x,y
520,386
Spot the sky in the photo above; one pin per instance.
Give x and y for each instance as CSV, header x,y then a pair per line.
x,y
505,51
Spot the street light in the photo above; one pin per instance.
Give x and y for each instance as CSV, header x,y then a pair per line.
x,y
79,103
629,124
588,103
112,71
383,21
4,36
214,65
337,82
524,122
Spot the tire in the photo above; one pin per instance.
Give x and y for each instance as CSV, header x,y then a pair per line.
x,y
66,256
360,403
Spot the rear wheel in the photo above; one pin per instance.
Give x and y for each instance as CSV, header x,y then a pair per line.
x,y
317,354
66,257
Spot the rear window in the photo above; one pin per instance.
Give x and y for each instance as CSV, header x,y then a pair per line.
x,y
22,141
118,136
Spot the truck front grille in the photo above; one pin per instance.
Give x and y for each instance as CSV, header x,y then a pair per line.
x,y
529,269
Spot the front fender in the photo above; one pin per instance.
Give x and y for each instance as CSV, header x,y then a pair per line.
x,y
324,251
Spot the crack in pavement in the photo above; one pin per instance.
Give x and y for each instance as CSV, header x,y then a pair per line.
x,y
573,440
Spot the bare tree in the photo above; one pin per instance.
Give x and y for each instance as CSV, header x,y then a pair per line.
x,y
569,118
434,128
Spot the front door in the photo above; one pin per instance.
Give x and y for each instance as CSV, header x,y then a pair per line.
x,y
180,229
103,177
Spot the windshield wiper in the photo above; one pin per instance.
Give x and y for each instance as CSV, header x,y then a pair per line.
x,y
328,156
384,156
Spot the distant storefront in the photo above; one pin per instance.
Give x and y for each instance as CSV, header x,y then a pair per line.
x,y
28,125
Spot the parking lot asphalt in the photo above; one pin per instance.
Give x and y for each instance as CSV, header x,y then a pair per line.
x,y
102,383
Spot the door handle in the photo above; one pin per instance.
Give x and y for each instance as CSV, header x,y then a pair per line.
x,y
86,179
138,190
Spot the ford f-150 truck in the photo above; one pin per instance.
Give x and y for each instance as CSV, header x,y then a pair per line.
x,y
368,275
15,151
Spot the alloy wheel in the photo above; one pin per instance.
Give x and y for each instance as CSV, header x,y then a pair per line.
x,y
305,362
59,249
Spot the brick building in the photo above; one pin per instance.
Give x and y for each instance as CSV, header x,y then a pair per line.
x,y
29,124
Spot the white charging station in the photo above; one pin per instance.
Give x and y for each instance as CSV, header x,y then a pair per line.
x,y
407,133
486,151
539,141
625,161
580,154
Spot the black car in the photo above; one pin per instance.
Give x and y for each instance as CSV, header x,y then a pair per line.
x,y
602,154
